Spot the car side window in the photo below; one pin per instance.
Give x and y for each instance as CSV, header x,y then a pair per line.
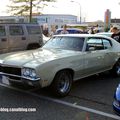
x,y
95,44
2,31
107,44
33,30
16,30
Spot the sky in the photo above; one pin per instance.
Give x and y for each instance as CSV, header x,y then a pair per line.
x,y
91,10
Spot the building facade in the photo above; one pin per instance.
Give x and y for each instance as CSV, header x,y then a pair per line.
x,y
115,22
46,20
12,19
55,20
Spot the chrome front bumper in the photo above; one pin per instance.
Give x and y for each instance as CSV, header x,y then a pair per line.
x,y
17,76
21,79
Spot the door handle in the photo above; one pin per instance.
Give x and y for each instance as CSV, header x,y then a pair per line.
x,y
100,57
3,39
23,38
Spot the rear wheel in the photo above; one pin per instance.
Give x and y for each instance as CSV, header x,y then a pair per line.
x,y
62,83
116,69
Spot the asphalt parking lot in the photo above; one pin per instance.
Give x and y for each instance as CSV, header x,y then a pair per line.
x,y
90,99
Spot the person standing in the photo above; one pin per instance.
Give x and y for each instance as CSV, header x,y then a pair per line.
x,y
53,32
64,31
116,34
91,31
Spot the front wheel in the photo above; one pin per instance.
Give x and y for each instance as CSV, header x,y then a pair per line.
x,y
62,83
116,69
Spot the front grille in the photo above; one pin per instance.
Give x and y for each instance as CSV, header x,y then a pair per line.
x,y
15,78
10,70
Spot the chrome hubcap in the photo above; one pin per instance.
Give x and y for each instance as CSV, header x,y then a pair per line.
x,y
64,84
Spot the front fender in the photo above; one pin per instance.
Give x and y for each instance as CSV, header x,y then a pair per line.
x,y
48,71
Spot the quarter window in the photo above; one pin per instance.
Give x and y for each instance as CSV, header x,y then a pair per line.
x,y
95,44
2,31
16,30
106,43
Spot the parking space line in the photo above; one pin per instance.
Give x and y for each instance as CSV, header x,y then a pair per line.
x,y
65,103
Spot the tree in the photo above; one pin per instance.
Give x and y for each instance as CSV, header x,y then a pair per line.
x,y
26,7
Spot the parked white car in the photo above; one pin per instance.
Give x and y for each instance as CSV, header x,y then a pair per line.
x,y
109,34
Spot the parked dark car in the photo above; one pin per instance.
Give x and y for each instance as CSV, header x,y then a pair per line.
x,y
70,30
116,102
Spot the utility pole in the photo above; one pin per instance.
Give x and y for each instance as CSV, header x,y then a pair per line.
x,y
80,13
30,17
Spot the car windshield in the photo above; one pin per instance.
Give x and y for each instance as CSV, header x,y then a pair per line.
x,y
65,43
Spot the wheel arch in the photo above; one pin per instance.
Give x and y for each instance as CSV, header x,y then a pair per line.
x,y
115,69
118,59
66,69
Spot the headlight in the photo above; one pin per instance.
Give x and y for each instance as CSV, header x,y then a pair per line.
x,y
33,74
29,73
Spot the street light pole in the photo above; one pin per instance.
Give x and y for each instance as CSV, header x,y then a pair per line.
x,y
80,13
80,10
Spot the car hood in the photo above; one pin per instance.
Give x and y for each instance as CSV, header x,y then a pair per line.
x,y
34,58
117,93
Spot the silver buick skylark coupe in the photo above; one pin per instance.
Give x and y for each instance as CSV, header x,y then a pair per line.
x,y
61,61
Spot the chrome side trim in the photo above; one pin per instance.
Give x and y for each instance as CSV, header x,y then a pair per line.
x,y
22,77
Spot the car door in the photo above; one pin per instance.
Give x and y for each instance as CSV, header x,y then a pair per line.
x,y
3,39
108,54
94,57
17,37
